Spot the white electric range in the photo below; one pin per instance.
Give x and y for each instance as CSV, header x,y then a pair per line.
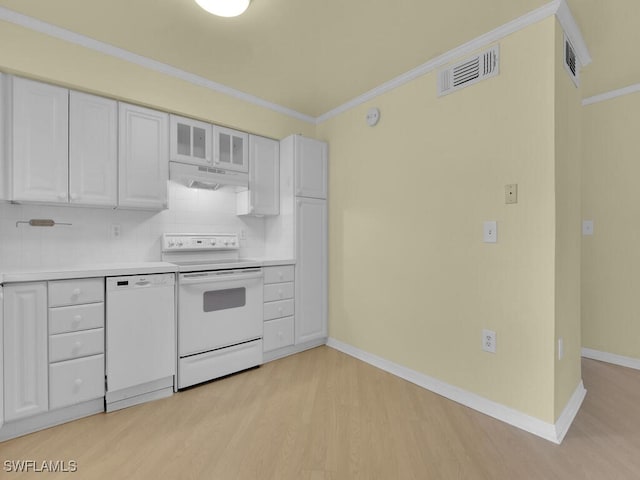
x,y
219,306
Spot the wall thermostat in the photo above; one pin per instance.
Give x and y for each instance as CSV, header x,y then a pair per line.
x,y
373,116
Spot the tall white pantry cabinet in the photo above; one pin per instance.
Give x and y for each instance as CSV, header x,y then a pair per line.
x,y
300,232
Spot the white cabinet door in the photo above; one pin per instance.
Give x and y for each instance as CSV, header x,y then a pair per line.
x,y
230,149
311,270
311,167
4,187
143,158
93,150
1,356
25,350
40,142
190,140
264,178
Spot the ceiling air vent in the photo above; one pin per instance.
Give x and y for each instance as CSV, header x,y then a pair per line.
x,y
571,63
469,71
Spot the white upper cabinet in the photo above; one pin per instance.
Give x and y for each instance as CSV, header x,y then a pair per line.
x,y
263,195
40,142
143,157
190,140
93,150
230,149
311,167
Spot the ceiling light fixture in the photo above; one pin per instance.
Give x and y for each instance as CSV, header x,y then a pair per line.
x,y
224,8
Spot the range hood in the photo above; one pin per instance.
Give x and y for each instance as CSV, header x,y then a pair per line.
x,y
210,178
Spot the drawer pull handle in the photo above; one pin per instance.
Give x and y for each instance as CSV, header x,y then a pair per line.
x,y
76,292
279,309
280,274
281,293
76,320
77,346
77,383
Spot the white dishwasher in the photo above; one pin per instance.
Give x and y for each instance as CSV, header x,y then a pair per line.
x,y
140,339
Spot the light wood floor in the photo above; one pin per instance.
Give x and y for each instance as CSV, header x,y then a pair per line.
x,y
324,415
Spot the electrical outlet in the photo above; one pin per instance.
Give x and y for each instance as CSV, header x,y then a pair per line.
x,y
243,234
489,341
587,227
490,232
511,193
116,231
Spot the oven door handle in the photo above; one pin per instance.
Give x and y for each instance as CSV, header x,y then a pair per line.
x,y
194,278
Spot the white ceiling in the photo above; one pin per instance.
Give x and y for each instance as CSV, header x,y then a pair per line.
x,y
312,56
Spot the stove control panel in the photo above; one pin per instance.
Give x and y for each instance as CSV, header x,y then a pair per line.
x,y
173,242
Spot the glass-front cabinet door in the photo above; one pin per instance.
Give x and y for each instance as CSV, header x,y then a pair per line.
x,y
231,149
190,140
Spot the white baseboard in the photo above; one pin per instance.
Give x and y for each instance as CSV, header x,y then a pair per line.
x,y
553,432
621,360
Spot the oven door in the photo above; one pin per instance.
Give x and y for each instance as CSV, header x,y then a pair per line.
x,y
218,309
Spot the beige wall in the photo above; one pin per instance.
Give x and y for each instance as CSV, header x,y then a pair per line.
x,y
568,112
410,278
39,56
611,257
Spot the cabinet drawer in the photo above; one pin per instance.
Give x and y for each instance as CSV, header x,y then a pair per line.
x,y
278,291
67,346
283,308
277,333
80,317
283,273
76,381
74,292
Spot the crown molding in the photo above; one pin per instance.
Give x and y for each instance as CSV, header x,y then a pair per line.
x,y
612,94
555,7
570,27
107,49
464,49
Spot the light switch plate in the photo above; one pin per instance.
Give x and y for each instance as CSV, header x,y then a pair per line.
x,y
587,227
490,232
511,193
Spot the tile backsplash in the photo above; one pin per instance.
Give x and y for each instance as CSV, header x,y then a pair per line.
x,y
89,239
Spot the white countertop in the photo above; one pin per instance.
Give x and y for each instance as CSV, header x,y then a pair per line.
x,y
105,270
85,271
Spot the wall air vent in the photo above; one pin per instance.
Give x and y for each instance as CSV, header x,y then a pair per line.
x,y
469,71
571,62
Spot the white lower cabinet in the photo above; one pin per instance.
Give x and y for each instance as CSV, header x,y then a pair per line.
x,y
67,346
279,307
76,341
278,334
311,269
76,381
53,356
25,350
